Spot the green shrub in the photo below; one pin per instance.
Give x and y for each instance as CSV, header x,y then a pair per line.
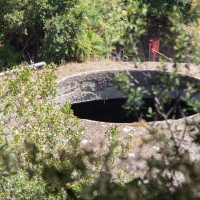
x,y
56,30
40,153
8,56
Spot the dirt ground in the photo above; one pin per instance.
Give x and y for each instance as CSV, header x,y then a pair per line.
x,y
77,68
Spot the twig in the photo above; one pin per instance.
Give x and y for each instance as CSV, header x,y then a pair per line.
x,y
185,124
165,117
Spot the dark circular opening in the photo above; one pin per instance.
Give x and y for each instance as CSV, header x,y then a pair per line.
x,y
112,110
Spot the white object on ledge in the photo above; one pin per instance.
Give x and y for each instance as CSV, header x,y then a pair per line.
x,y
40,64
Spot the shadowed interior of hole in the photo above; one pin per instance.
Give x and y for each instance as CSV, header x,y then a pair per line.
x,y
112,110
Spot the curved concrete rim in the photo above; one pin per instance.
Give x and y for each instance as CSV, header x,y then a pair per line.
x,y
97,85
120,70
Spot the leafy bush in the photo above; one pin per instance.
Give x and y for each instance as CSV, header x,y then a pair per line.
x,y
56,30
33,133
40,154
80,30
8,56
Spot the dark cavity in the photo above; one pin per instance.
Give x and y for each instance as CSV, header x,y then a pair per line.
x,y
112,111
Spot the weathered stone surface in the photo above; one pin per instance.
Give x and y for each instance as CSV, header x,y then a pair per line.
x,y
99,85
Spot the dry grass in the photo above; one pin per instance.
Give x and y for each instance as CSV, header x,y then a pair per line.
x,y
71,69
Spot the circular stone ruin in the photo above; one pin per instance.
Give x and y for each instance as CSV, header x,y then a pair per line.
x,y
93,96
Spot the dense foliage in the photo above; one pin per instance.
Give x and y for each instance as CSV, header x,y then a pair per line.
x,y
40,152
76,30
55,30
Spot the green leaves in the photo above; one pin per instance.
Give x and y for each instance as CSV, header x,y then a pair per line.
x,y
57,30
8,56
128,21
133,95
34,130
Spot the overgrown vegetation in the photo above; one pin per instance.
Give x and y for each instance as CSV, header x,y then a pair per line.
x,y
62,31
40,152
56,30
40,155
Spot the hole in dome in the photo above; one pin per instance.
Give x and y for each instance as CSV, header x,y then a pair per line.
x,y
112,110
